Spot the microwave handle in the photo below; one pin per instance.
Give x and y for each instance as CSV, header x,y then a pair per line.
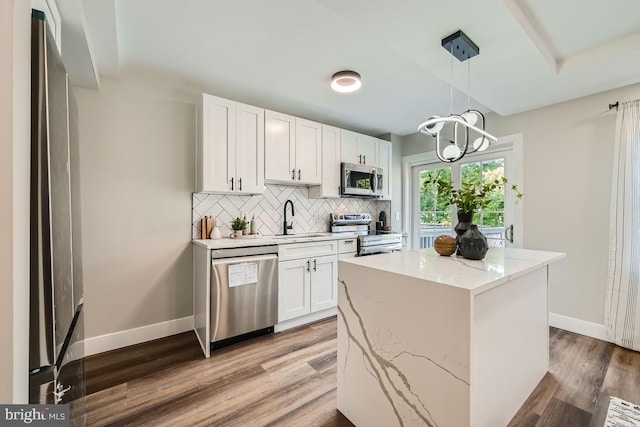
x,y
374,181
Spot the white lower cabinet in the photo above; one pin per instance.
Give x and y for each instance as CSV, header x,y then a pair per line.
x,y
324,282
308,283
294,289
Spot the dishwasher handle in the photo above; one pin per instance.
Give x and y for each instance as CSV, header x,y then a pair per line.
x,y
240,260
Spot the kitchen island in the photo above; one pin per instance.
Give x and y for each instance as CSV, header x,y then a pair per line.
x,y
441,341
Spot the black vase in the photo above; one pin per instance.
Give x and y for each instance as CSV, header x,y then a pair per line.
x,y
464,221
473,244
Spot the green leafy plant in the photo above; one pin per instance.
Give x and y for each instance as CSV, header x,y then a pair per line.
x,y
470,197
238,224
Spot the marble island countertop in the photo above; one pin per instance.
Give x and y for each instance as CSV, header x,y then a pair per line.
x,y
499,266
260,240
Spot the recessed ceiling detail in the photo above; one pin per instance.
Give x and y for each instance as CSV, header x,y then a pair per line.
x,y
573,33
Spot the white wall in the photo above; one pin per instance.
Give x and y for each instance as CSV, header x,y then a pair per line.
x,y
14,199
137,140
568,151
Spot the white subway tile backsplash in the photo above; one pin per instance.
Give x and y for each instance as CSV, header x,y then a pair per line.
x,y
312,215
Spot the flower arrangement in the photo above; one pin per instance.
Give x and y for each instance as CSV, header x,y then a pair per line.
x,y
470,197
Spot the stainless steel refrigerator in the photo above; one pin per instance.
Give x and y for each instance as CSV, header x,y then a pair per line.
x,y
56,333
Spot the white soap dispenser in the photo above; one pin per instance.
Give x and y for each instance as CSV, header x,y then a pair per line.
x,y
254,226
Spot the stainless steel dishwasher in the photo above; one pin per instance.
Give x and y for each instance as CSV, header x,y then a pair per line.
x,y
244,291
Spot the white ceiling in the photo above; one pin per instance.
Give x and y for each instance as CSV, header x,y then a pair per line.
x,y
280,54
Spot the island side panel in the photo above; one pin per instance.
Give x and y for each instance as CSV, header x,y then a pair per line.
x,y
510,347
403,350
202,296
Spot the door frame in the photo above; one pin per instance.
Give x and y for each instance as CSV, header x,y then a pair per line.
x,y
515,174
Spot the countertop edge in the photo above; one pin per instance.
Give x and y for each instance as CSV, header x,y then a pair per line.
x,y
534,264
227,243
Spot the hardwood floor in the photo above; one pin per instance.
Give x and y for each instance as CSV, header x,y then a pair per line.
x,y
289,379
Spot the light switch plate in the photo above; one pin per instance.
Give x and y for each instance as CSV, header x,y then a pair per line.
x,y
397,216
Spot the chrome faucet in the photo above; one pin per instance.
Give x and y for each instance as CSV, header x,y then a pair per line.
x,y
293,213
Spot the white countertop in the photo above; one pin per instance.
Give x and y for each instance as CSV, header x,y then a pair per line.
x,y
499,266
257,240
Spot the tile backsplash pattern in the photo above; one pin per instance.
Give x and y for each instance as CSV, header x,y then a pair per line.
x,y
312,215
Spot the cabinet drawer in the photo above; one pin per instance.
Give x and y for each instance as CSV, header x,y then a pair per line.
x,y
348,245
307,250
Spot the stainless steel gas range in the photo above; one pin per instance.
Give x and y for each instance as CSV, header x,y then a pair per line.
x,y
370,242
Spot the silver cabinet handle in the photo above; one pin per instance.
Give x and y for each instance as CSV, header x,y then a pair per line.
x,y
240,184
298,174
293,174
231,184
349,241
360,157
315,265
364,159
308,265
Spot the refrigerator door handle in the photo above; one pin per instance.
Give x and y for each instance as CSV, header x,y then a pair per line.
x,y
67,338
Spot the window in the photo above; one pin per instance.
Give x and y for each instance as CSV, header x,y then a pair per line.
x,y
436,216
491,219
426,217
435,210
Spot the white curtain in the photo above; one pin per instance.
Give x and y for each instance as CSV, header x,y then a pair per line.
x,y
622,311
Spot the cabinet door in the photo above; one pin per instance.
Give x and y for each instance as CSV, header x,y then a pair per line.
x,y
349,147
324,282
308,153
330,184
216,144
293,289
385,164
249,155
368,148
280,147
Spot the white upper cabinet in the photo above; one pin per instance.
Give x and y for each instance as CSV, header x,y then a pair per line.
x,y
230,151
249,149
280,146
330,185
384,156
358,148
293,150
308,151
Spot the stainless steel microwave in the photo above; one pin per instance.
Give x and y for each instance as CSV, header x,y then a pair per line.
x,y
361,180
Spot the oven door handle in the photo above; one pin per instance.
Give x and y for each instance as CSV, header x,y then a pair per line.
x,y
379,249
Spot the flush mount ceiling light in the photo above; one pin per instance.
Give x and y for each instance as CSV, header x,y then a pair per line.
x,y
345,81
459,45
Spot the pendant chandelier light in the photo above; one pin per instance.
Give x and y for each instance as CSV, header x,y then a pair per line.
x,y
459,45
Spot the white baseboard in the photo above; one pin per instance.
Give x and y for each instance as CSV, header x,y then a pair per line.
x,y
107,342
582,327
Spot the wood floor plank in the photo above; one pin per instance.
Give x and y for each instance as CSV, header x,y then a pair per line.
x,y
105,405
559,413
579,364
524,418
600,413
542,395
317,412
623,377
119,366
